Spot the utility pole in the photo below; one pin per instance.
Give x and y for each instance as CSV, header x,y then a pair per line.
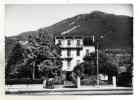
x,y
95,39
33,76
33,65
97,63
98,39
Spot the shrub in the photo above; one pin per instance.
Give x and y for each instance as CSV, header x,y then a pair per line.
x,y
124,79
89,80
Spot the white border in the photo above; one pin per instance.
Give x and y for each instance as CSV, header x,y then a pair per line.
x,y
125,97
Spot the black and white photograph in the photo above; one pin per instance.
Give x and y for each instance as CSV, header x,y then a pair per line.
x,y
68,49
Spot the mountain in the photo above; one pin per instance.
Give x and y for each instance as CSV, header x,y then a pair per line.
x,y
116,29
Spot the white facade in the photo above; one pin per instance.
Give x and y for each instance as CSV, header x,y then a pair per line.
x,y
72,51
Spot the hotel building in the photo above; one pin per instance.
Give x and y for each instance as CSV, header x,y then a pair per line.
x,y
73,49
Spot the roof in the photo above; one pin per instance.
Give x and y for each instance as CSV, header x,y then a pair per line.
x,y
69,37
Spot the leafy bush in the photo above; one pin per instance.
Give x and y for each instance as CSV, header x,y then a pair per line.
x,y
23,81
124,79
89,81
31,81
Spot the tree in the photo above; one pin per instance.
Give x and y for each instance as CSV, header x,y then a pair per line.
x,y
89,67
50,69
31,54
15,56
125,78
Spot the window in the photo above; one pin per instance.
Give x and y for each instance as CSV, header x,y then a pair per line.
x,y
87,51
69,42
78,52
60,52
78,62
78,42
68,63
59,42
68,53
88,42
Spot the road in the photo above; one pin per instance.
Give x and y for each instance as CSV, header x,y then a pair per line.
x,y
84,90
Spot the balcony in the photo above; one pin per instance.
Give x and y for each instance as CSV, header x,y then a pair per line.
x,y
71,47
66,58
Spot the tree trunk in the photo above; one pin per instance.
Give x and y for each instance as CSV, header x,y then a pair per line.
x,y
110,79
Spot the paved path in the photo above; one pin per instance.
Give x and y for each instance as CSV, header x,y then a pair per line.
x,y
38,89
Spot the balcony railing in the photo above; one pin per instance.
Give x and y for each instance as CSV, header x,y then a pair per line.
x,y
71,47
66,58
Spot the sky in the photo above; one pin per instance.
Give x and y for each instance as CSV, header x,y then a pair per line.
x,y
29,17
